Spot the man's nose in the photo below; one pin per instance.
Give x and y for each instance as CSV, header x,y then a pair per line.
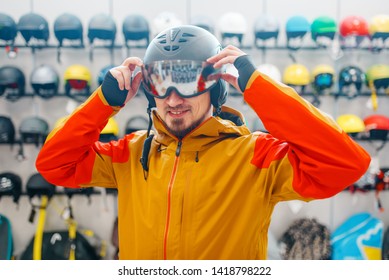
x,y
174,99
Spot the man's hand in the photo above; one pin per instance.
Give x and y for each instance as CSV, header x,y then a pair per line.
x,y
235,56
119,85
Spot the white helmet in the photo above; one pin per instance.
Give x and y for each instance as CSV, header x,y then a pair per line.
x,y
165,20
270,70
233,25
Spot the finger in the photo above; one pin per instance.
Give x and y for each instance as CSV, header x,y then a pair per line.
x,y
136,80
232,80
132,61
126,72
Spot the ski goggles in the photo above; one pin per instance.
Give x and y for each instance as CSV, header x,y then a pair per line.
x,y
188,78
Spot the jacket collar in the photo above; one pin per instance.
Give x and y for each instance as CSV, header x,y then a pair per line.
x,y
211,130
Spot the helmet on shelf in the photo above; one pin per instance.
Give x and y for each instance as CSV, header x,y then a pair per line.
x,y
204,22
266,27
377,76
270,70
33,130
232,26
135,28
351,79
32,25
37,185
353,30
182,43
77,82
378,126
68,27
379,31
8,28
102,27
296,28
45,81
351,124
7,130
11,185
296,75
323,30
110,131
323,77
12,82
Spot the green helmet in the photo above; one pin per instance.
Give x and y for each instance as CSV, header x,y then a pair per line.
x,y
323,26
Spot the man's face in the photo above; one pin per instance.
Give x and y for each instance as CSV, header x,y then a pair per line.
x,y
182,115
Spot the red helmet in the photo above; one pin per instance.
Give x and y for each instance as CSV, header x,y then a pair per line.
x,y
377,125
354,26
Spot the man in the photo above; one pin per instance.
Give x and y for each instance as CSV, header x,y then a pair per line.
x,y
206,186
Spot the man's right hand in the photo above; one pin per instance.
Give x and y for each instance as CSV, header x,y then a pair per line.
x,y
119,85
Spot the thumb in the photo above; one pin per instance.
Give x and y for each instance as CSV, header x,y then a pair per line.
x,y
232,80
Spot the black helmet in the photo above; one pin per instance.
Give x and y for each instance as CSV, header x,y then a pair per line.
x,y
7,130
10,185
33,130
8,29
32,25
186,42
68,26
136,27
45,81
351,79
12,82
38,186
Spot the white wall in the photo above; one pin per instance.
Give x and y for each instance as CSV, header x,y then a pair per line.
x,y
100,213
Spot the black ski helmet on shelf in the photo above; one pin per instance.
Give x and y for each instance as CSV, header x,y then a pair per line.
x,y
68,26
37,185
8,28
135,28
10,185
351,79
33,130
186,42
32,25
7,130
12,82
45,81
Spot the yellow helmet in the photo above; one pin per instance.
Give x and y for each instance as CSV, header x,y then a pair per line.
x,y
379,24
78,72
350,123
296,74
377,72
111,127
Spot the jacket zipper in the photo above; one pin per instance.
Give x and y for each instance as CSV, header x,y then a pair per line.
x,y
170,188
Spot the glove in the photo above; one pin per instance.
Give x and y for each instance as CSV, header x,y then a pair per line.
x,y
245,69
112,92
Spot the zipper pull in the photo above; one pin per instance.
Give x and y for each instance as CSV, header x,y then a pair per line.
x,y
178,150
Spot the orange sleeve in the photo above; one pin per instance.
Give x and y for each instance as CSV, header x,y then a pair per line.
x,y
324,159
71,155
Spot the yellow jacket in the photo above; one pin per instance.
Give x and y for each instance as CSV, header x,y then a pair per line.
x,y
210,196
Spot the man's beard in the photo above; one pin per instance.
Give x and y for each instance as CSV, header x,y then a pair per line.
x,y
181,133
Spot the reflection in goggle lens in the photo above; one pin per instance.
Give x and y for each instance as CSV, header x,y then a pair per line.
x,y
187,77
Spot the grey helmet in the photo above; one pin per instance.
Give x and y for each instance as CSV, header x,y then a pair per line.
x,y
45,81
12,82
135,28
33,130
186,42
8,28
203,21
7,130
33,25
